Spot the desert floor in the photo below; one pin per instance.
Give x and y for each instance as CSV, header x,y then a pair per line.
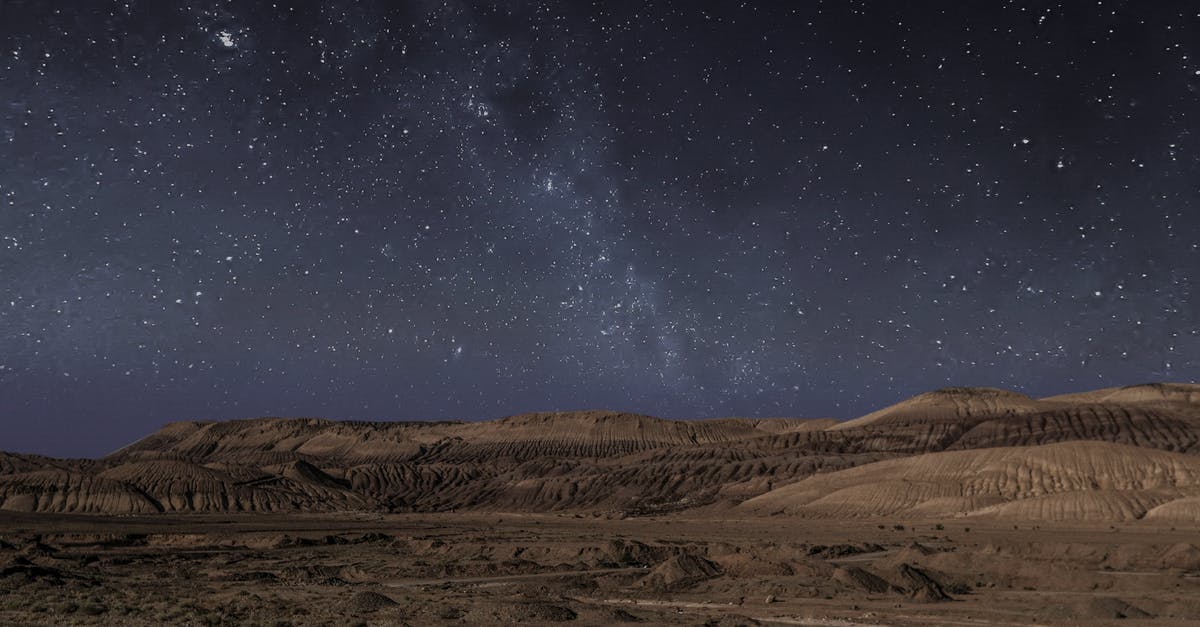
x,y
482,568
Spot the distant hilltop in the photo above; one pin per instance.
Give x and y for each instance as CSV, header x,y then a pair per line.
x,y
1128,453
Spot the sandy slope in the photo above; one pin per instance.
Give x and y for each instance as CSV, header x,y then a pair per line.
x,y
1140,394
1063,481
948,405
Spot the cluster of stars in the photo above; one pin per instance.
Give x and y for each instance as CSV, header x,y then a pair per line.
x,y
378,210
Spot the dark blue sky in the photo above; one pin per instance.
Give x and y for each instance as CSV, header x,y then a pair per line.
x,y
418,210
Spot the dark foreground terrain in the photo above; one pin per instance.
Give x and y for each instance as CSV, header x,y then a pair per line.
x,y
539,569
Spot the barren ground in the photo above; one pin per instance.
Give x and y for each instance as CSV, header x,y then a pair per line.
x,y
486,568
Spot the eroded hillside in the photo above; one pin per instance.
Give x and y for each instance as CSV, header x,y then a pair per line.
x,y
1115,454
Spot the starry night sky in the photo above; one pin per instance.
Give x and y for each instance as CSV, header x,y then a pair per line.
x,y
430,210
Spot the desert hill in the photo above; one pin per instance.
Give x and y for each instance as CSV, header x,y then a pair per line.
x,y
1144,393
947,405
550,434
1114,454
1064,481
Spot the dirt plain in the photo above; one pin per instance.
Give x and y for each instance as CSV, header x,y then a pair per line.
x,y
476,568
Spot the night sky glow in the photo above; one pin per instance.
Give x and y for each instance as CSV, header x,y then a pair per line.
x,y
430,210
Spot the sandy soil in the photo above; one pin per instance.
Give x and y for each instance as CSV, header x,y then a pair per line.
x,y
487,568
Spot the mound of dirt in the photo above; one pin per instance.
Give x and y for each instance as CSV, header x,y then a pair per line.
x,y
679,573
305,472
732,620
622,616
841,550
21,571
1109,608
920,586
549,613
367,601
1183,556
862,580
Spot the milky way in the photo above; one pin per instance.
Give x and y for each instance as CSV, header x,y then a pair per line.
x,y
430,210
